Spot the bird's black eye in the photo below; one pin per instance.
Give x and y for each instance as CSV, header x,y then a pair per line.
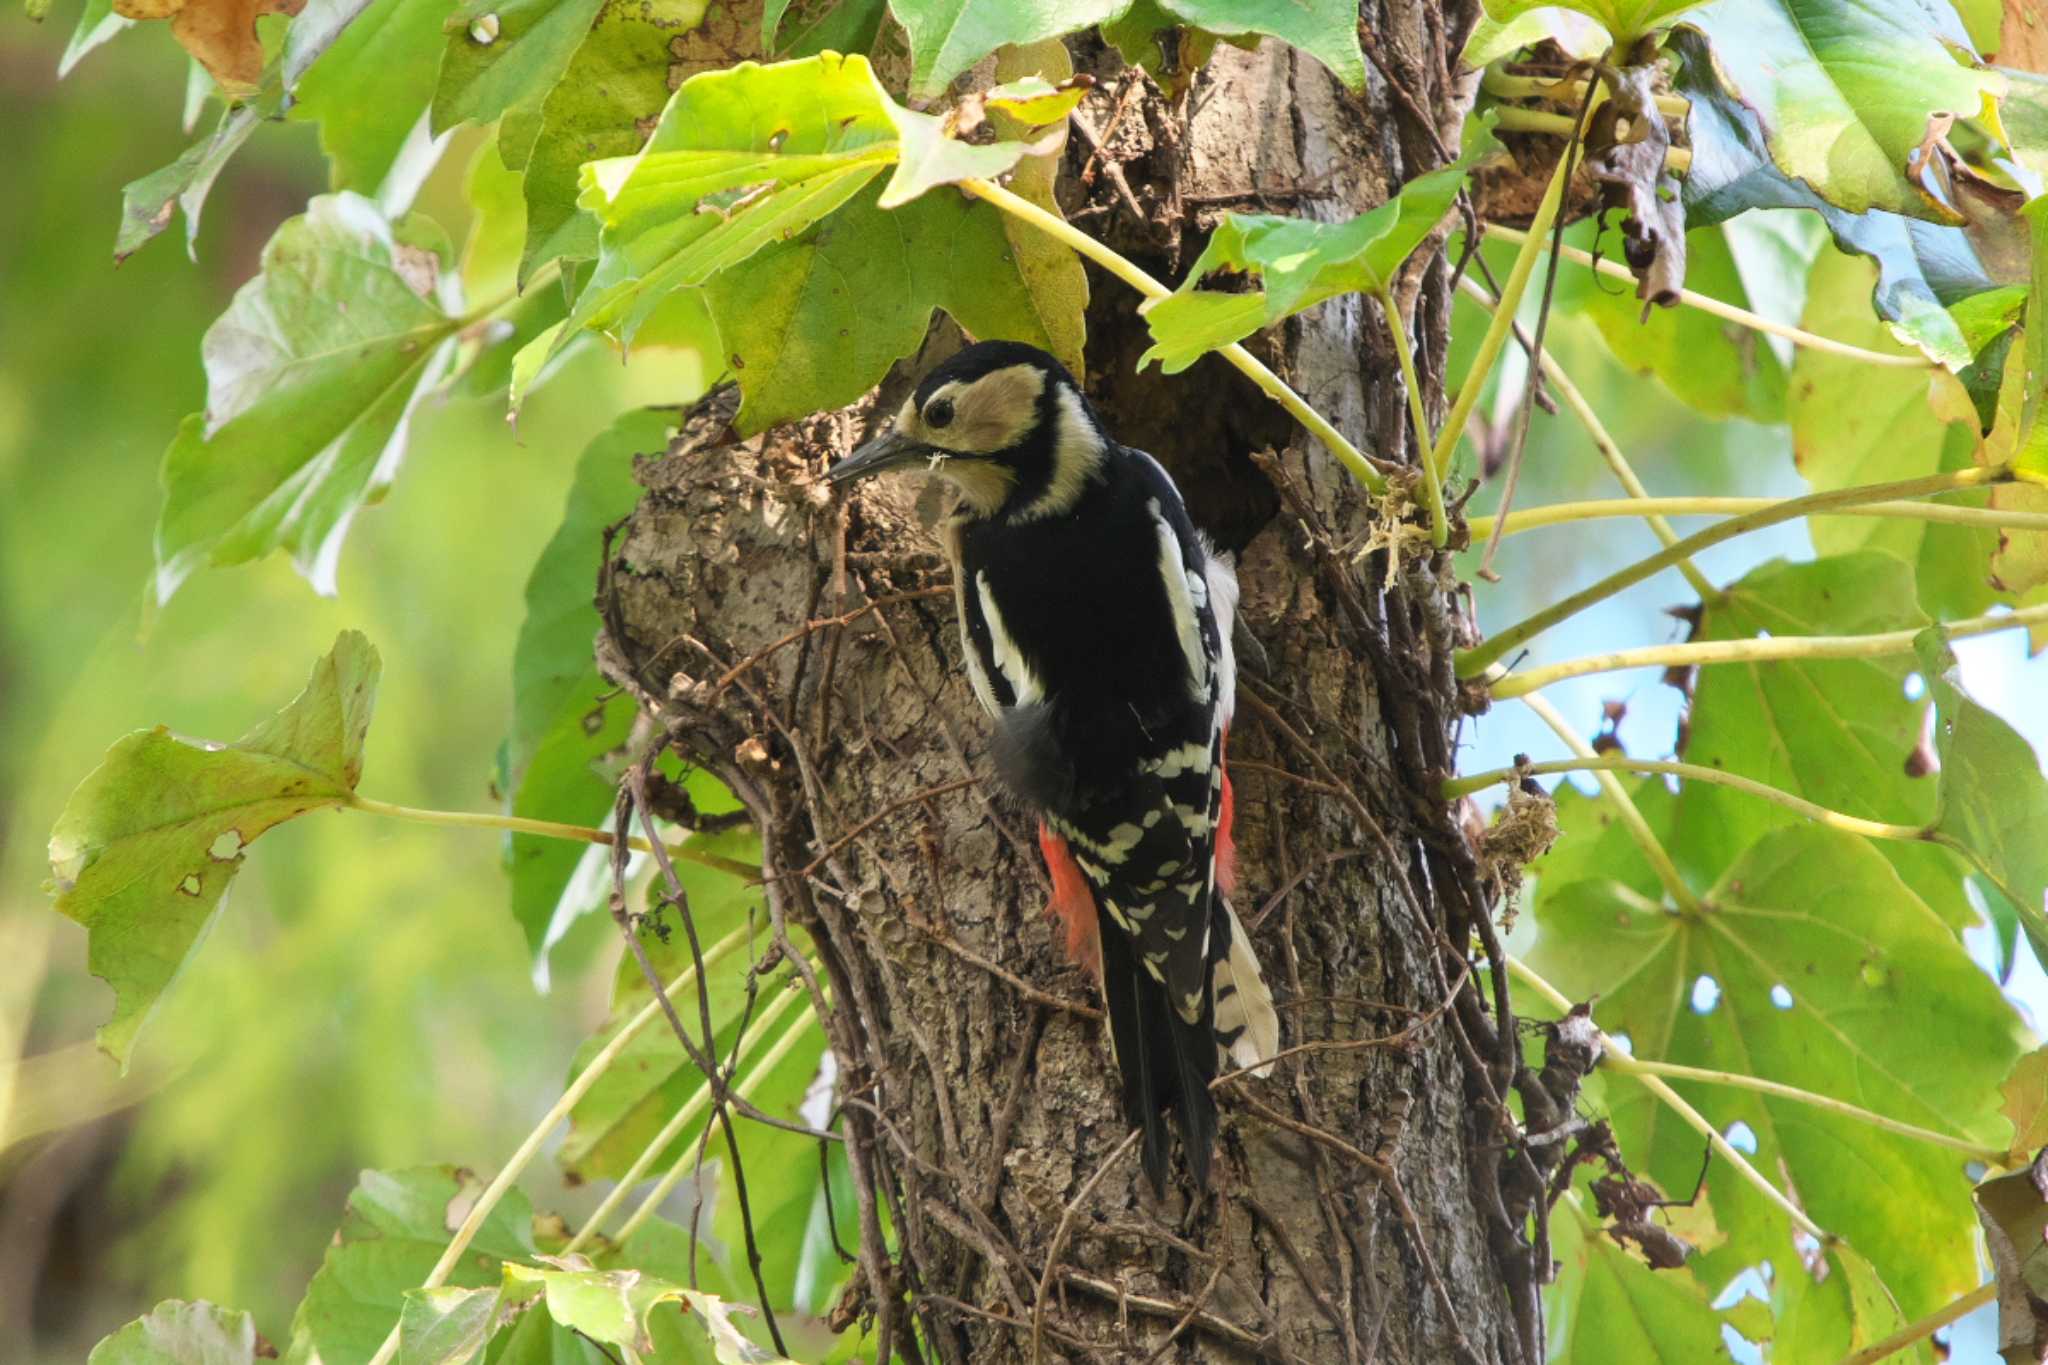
x,y
939,412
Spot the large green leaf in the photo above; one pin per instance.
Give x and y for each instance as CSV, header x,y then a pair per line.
x,y
949,36
1993,799
1828,974
1845,90
565,718
395,1228
1624,20
1842,1306
1607,1305
1923,267
1325,29
1854,424
1301,262
148,843
308,405
369,88
620,78
503,54
180,1333
804,28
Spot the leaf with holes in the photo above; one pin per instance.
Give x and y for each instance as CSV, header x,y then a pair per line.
x,y
1994,801
395,1228
1845,92
180,1333
1827,973
308,406
147,845
1301,262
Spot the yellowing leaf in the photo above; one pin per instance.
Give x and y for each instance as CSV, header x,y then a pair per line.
x,y
2026,1101
220,33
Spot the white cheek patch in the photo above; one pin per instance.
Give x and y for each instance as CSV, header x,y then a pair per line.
x,y
1077,453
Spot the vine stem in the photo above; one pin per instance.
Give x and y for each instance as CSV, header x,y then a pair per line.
x,y
1777,648
1496,336
1473,661
1510,87
1603,441
1564,513
1515,119
526,1150
784,1045
1691,772
1632,819
1622,1062
1432,486
1017,206
1924,1327
550,829
1738,1081
1728,311
691,1108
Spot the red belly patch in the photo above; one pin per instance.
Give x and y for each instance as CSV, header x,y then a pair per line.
x,y
1073,903
1226,850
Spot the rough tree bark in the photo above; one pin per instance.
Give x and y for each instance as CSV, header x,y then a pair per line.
x,y
1360,1211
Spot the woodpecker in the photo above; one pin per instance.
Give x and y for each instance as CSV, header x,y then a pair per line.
x,y
1096,624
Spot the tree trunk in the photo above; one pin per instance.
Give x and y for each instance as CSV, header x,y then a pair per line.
x,y
1358,1209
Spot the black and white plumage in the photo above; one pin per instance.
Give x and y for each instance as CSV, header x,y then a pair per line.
x,y
1097,630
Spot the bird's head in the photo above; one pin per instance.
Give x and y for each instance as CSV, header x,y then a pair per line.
x,y
1001,421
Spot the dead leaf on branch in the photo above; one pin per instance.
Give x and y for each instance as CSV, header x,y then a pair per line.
x,y
220,34
1627,141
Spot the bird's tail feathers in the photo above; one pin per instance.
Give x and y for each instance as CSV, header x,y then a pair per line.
x,y
1247,1027
1164,1063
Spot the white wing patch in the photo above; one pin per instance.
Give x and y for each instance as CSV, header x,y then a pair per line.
x,y
1009,659
1180,601
1223,591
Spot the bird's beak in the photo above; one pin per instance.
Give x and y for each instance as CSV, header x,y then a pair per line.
x,y
893,450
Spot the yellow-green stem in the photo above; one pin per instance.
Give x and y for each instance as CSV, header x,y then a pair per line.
x,y
687,1114
1568,94
1632,820
1622,1062
1925,1327
751,1082
1504,317
559,1111
1432,477
549,829
1564,513
1740,316
1471,662
1690,772
1269,383
1776,648
1609,448
1510,118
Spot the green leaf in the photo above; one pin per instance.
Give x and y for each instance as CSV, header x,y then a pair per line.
x,y
1845,91
1852,424
926,158
308,406
148,843
619,80
949,36
616,1307
395,1228
148,203
179,1333
1325,29
1993,800
804,28
446,1325
563,721
97,24
369,88
1624,20
1034,101
1716,367
1301,261
1841,1307
504,54
1146,35
1607,1305
2026,1102
1833,977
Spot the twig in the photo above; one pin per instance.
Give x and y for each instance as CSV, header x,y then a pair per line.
x,y
1059,1241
